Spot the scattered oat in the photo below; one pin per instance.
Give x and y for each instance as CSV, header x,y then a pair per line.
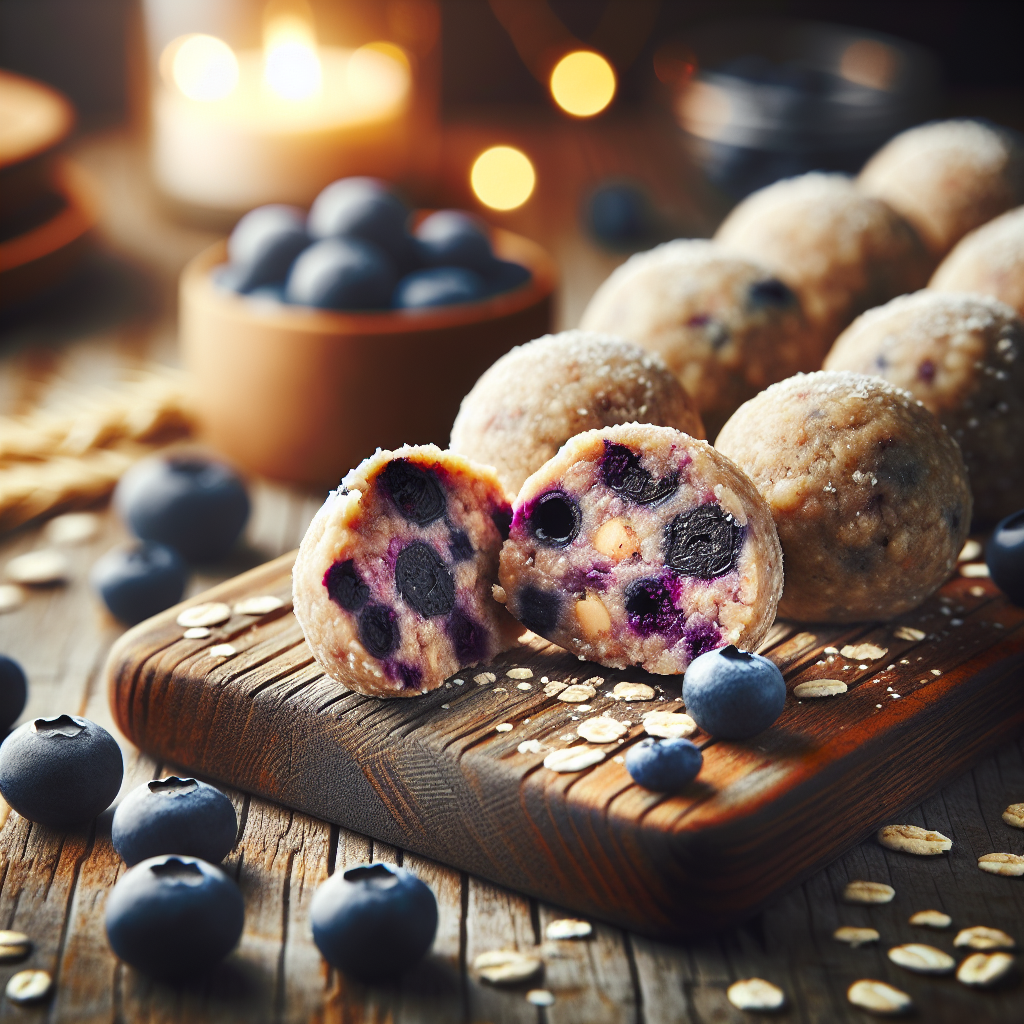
x,y
931,919
974,570
553,688
38,568
980,937
755,994
524,686
507,966
484,677
976,591
14,946
820,688
1009,864
855,936
196,633
669,724
595,681
909,633
264,604
445,707
221,651
519,673
584,708
831,650
12,597
601,730
859,891
912,839
573,759
575,694
212,613
29,987
540,997
568,928
969,552
1014,815
877,997
72,528
633,691
862,652
504,727
619,759
936,671
982,969
529,747
916,956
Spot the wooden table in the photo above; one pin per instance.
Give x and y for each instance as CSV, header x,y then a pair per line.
x,y
53,885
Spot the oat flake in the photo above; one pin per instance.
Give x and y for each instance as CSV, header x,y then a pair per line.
x,y
669,724
601,730
211,613
974,570
573,759
755,994
507,966
633,691
931,919
568,928
529,747
877,997
263,604
29,986
523,686
519,673
982,969
14,946
73,528
196,633
38,568
820,688
980,937
221,651
540,997
916,956
1010,865
859,891
912,839
909,633
1014,815
969,552
554,688
504,727
484,677
578,693
855,936
862,652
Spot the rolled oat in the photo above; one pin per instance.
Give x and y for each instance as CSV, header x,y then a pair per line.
x,y
507,966
1011,865
864,652
755,994
601,730
980,937
211,613
855,936
877,997
859,891
38,568
263,604
1013,815
669,724
573,759
819,688
916,956
633,691
575,694
913,839
568,928
983,969
931,919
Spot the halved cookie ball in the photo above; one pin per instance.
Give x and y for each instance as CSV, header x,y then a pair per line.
x,y
726,327
392,584
640,545
534,398
963,357
868,491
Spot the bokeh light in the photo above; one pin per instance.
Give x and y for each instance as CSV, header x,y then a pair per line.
x,y
502,178
203,67
583,83
291,66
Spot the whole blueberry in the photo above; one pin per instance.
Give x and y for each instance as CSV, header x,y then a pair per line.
x,y
733,694
374,921
341,273
174,916
363,208
264,244
439,286
192,503
505,276
1004,555
13,692
60,771
665,765
174,815
138,581
227,278
618,214
451,238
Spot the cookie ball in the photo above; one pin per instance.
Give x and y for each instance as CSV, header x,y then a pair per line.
x,y
841,250
534,398
962,356
639,545
392,583
725,327
989,260
947,178
868,491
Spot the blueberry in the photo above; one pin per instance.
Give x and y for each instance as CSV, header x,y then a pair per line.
x,y
414,491
438,286
666,766
13,692
649,606
378,630
341,273
227,278
191,503
733,694
469,638
424,580
451,238
619,215
538,609
502,276
555,519
770,292
265,242
60,771
374,921
344,586
174,916
1004,554
704,542
622,472
139,581
362,208
174,816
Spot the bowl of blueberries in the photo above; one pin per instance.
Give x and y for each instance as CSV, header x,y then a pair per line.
x,y
313,338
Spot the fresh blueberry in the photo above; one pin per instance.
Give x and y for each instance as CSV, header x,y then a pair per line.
x,y
194,504
227,278
733,694
378,630
414,491
618,214
362,208
451,238
666,766
139,581
341,273
622,472
174,816
704,542
438,286
345,587
264,244
13,692
1004,554
60,771
374,921
174,916
424,581
555,519
505,276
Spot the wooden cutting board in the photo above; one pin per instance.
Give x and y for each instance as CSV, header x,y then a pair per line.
x,y
433,774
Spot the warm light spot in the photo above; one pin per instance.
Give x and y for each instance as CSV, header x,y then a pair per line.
x,y
583,83
202,67
378,75
291,67
502,178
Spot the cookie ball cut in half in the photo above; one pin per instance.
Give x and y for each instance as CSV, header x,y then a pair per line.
x,y
392,584
947,178
963,357
842,251
534,398
868,491
639,545
725,327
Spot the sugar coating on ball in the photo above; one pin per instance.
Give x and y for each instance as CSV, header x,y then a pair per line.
x,y
640,545
726,327
842,251
963,357
392,583
868,491
947,178
989,261
534,398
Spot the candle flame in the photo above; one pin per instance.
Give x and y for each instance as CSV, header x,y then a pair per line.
x,y
291,67
202,67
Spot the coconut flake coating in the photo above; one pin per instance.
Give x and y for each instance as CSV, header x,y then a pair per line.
x,y
947,178
868,491
989,260
963,357
726,327
640,545
392,584
534,398
840,249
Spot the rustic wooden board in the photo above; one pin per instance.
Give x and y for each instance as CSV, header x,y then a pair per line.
x,y
432,775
